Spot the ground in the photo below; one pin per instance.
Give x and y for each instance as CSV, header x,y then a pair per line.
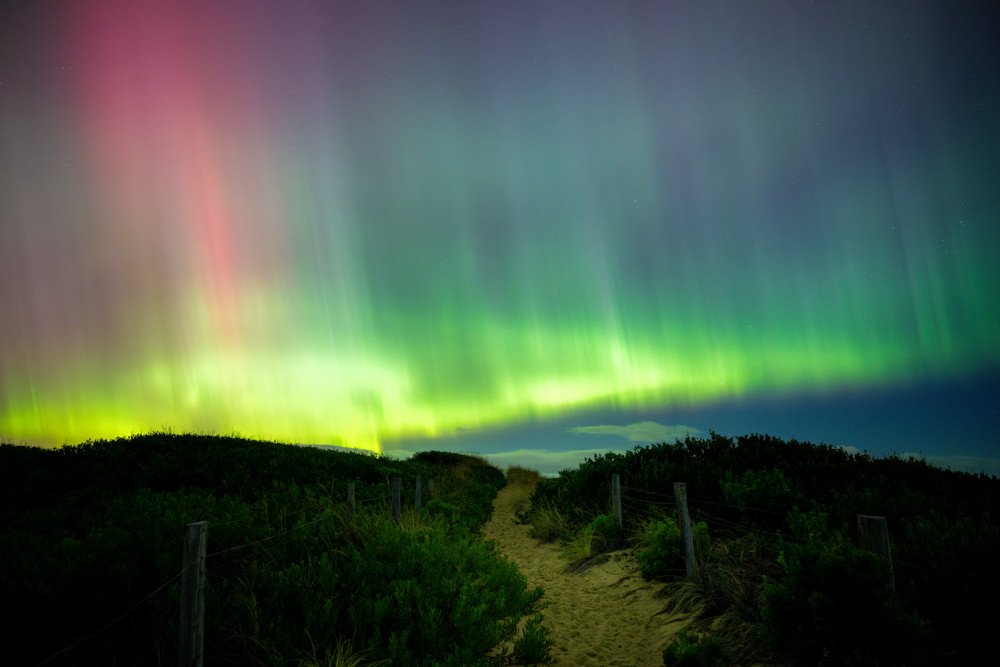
x,y
604,615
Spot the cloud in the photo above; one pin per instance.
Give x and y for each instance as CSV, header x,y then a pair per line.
x,y
640,431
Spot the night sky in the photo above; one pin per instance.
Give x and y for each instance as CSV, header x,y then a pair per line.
x,y
531,229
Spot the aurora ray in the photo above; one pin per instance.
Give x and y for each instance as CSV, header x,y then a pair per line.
x,y
344,222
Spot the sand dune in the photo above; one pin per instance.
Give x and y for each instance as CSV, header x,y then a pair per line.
x,y
605,615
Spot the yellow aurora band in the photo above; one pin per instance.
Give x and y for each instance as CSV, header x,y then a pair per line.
x,y
258,223
292,383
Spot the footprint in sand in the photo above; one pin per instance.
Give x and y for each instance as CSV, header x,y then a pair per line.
x,y
605,615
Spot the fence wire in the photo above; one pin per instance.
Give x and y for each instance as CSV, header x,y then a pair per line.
x,y
165,584
658,505
110,624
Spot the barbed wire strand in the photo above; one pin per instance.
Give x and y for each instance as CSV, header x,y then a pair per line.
x,y
632,502
648,492
117,619
284,517
266,539
159,618
699,501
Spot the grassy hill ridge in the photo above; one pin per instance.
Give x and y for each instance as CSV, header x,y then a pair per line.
x,y
781,575
90,547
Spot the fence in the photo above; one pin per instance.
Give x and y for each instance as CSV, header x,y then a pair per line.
x,y
873,536
873,533
193,573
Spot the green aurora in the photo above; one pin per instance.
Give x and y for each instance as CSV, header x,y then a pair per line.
x,y
293,234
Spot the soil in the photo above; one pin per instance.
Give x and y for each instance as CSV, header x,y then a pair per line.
x,y
606,614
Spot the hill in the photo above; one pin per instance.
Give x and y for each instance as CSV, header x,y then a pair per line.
x,y
91,546
780,574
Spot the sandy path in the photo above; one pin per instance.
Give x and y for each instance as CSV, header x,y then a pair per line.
x,y
606,615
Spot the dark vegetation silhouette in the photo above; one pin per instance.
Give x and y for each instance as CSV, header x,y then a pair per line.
x,y
90,549
781,576
91,542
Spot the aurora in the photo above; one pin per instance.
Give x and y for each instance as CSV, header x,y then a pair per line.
x,y
352,222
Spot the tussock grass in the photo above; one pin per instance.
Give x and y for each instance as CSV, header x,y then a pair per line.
x,y
341,655
579,548
417,523
725,601
591,545
584,551
547,524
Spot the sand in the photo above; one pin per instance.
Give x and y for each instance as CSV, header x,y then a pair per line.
x,y
605,615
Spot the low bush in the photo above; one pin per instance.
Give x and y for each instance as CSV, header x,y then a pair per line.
x,y
605,534
942,526
294,577
534,645
693,650
409,594
833,601
755,490
599,536
446,511
663,554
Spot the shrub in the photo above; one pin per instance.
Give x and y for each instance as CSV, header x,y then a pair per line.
x,y
943,526
423,592
445,510
534,644
692,650
833,603
661,558
605,535
664,555
768,490
295,576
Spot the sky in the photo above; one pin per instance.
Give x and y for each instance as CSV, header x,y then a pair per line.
x,y
529,229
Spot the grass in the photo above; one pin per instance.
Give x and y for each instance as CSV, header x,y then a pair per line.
x,y
534,644
341,655
548,524
579,549
725,601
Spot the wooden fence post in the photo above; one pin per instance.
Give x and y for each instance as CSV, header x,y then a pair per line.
x,y
416,496
873,535
192,627
397,490
616,497
680,495
350,497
